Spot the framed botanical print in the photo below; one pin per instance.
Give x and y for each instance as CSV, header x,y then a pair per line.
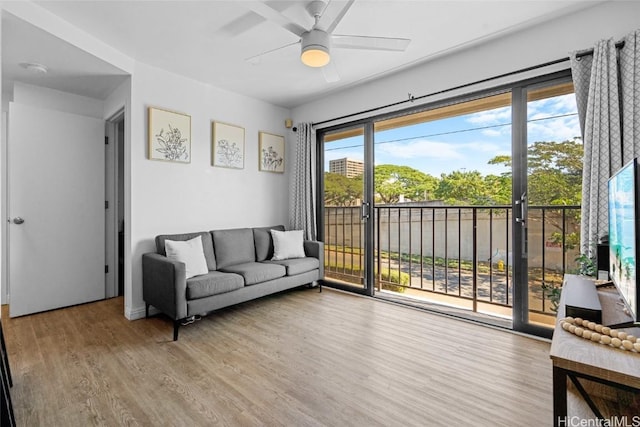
x,y
227,145
271,152
169,136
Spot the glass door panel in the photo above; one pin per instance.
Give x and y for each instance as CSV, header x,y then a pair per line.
x,y
343,205
552,197
443,208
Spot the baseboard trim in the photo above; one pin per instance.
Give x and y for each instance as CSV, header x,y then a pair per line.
x,y
135,313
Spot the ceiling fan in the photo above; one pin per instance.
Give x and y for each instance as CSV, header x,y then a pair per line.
x,y
316,42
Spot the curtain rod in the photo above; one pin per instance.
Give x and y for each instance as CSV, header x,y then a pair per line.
x,y
579,54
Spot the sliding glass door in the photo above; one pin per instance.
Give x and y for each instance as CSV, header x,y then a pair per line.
x,y
347,207
471,205
547,203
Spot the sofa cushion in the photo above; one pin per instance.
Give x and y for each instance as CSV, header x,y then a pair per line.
x,y
234,246
213,283
264,242
287,244
190,253
256,272
297,265
207,245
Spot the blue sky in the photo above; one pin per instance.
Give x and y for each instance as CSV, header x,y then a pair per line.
x,y
465,142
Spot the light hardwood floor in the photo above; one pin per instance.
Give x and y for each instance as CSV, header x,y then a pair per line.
x,y
300,358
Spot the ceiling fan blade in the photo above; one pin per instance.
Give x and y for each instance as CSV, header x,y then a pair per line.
x,y
267,12
255,59
336,21
330,72
370,43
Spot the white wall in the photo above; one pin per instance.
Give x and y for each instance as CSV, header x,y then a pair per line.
x,y
174,197
51,99
537,45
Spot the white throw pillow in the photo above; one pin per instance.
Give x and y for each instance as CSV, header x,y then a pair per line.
x,y
287,244
190,252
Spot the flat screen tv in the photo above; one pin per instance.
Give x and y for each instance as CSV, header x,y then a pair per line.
x,y
624,238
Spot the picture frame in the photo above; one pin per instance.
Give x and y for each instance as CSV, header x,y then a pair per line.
x,y
227,145
271,152
169,136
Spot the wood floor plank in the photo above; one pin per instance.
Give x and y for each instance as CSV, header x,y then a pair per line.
x,y
298,358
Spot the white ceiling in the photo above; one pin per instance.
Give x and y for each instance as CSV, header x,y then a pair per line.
x,y
210,40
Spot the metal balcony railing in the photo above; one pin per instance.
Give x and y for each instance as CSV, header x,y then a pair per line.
x,y
456,251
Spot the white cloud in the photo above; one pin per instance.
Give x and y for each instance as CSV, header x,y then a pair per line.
x,y
491,117
493,132
560,129
560,105
481,146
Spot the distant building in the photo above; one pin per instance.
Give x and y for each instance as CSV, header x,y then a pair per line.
x,y
346,167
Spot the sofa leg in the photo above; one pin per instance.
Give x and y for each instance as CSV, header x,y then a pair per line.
x,y
146,310
176,326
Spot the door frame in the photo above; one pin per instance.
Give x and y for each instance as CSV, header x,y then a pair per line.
x,y
112,196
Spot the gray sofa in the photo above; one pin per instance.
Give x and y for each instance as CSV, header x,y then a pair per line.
x,y
240,269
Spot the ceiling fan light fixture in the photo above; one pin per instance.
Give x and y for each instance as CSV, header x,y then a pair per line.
x,y
315,48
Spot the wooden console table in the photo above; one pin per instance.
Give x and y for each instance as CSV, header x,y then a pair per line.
x,y
575,358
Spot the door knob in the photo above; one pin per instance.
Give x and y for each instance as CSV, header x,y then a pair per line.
x,y
18,220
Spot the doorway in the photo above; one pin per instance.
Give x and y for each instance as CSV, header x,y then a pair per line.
x,y
114,206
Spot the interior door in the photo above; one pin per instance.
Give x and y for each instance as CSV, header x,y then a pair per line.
x,y
56,209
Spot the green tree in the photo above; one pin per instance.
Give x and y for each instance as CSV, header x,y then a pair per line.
x,y
471,188
498,189
554,172
340,190
392,181
554,178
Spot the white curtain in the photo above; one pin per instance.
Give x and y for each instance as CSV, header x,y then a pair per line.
x,y
302,204
606,85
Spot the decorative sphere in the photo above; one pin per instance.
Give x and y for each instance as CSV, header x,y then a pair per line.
x,y
606,330
591,325
599,328
616,342
595,337
572,329
586,334
627,345
622,335
578,331
605,339
637,346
